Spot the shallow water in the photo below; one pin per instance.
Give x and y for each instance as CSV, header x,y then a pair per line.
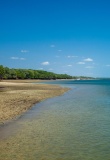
x,y
75,126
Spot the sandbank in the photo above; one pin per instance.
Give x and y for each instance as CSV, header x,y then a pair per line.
x,y
17,96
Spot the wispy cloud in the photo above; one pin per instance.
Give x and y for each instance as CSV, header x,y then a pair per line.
x,y
24,51
22,59
81,63
72,56
59,50
88,60
52,45
69,65
45,63
17,58
14,58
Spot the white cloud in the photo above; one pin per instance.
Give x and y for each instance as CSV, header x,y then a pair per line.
x,y
72,56
88,60
14,58
52,45
59,50
45,63
17,58
81,63
89,67
22,58
69,65
24,51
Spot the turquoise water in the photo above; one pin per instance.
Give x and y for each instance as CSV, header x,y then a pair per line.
x,y
75,126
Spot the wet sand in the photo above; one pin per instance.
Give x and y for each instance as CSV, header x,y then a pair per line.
x,y
17,96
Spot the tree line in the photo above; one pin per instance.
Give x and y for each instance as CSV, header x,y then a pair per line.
x,y
11,73
7,73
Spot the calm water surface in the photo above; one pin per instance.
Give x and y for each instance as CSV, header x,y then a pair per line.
x,y
75,126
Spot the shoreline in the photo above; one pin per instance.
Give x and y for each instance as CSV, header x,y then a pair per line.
x,y
18,96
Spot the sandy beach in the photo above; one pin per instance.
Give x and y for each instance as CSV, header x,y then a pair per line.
x,y
17,96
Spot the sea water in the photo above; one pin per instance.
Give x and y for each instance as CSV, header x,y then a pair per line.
x,y
74,126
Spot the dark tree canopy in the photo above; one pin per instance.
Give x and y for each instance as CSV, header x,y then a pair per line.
x,y
7,73
2,71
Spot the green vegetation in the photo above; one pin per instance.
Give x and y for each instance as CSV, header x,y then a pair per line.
x,y
2,72
7,73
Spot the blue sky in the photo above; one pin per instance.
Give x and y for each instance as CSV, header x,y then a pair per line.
x,y
62,36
